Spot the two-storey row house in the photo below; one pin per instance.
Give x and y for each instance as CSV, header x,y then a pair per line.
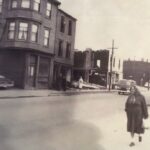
x,y
29,34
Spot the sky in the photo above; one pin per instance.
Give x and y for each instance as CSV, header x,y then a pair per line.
x,y
127,22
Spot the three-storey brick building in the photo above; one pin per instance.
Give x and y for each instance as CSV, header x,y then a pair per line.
x,y
27,41
64,46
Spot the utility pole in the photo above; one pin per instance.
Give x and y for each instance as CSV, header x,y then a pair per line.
x,y
111,63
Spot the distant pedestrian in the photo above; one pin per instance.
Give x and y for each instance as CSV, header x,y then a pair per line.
x,y
136,110
80,82
64,83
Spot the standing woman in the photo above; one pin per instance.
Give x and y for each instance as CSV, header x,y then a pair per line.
x,y
136,110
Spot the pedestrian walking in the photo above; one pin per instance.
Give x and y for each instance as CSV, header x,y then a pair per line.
x,y
136,110
80,82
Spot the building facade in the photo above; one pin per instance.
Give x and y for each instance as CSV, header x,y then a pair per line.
x,y
137,70
27,41
64,47
83,64
94,67
115,69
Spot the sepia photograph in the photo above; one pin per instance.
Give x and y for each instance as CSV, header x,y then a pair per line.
x,y
74,75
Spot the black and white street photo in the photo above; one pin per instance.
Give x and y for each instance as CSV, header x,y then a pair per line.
x,y
74,75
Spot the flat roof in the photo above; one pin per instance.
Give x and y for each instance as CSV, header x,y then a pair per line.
x,y
67,14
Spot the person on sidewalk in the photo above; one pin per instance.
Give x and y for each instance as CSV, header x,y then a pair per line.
x,y
136,110
80,82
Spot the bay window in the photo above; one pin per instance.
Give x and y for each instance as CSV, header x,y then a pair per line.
x,y
23,31
25,4
34,33
11,30
36,5
1,2
14,4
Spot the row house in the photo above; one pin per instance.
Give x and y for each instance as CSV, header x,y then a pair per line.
x,y
64,47
27,41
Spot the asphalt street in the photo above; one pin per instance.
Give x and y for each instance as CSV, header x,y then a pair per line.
x,y
77,122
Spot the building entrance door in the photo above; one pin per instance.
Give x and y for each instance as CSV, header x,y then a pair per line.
x,y
32,71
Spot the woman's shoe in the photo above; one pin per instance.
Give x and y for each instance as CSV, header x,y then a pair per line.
x,y
140,139
131,144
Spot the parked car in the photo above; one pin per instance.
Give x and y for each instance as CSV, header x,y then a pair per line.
x,y
5,82
124,86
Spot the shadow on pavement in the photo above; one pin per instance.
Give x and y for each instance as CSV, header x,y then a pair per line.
x,y
4,135
42,124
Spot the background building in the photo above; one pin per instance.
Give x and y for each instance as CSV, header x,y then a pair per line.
x,y
94,66
136,70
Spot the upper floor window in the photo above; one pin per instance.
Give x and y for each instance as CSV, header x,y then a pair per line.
x,y
1,2
70,28
46,37
62,24
48,9
60,48
25,4
68,50
36,5
34,33
23,31
14,4
11,31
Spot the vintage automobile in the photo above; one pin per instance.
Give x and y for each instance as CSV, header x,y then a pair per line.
x,y
5,82
124,86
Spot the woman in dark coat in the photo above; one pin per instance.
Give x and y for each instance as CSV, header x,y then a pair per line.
x,y
136,110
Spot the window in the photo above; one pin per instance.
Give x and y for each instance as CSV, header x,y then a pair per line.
x,y
68,50
1,2
23,31
62,25
14,4
11,31
48,9
36,5
98,63
46,37
25,4
60,48
34,33
70,28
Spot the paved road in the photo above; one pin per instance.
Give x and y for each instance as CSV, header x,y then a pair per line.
x,y
79,122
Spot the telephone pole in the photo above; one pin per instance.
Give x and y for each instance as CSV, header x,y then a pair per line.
x,y
111,62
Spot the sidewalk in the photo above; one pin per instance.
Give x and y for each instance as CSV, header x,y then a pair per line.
x,y
21,93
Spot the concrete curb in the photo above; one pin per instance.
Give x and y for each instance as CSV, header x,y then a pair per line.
x,y
61,93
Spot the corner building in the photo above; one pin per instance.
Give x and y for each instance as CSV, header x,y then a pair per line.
x,y
27,41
